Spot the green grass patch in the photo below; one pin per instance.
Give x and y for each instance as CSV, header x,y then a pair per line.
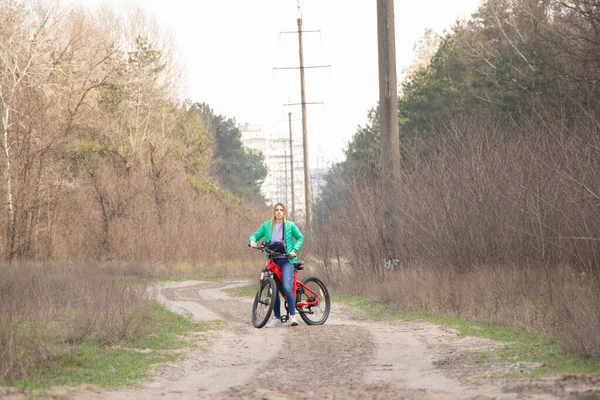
x,y
243,291
192,277
170,330
161,278
122,364
96,365
519,345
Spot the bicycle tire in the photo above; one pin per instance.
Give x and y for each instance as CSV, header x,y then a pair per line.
x,y
317,314
264,301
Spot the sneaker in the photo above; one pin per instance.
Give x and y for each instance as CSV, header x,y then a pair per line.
x,y
273,322
293,321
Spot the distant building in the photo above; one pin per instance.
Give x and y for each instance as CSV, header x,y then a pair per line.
x,y
275,147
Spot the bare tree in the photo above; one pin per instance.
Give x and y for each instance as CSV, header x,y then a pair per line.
x,y
21,57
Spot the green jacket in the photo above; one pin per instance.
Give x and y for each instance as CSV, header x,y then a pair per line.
x,y
290,232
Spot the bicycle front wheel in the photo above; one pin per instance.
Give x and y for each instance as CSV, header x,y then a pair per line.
x,y
264,302
318,313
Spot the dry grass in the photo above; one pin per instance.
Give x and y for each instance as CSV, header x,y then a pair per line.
x,y
512,297
498,223
45,310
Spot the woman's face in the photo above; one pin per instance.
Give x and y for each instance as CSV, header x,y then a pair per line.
x,y
278,212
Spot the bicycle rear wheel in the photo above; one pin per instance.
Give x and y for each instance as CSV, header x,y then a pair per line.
x,y
316,314
264,302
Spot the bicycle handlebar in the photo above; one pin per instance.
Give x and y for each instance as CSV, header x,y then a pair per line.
x,y
272,253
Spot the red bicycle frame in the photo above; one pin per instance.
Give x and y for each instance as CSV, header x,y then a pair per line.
x,y
313,298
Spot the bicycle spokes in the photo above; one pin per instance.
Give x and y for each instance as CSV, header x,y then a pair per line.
x,y
264,302
306,297
265,298
314,303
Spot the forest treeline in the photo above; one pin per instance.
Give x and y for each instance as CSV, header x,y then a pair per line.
x,y
498,201
101,159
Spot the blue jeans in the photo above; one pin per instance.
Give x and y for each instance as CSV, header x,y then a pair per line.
x,y
287,276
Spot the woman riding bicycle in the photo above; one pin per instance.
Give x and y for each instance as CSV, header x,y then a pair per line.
x,y
279,229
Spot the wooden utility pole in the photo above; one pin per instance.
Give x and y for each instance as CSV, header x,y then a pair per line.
x,y
292,163
307,185
303,103
388,117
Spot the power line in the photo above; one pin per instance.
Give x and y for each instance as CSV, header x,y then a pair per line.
x,y
303,103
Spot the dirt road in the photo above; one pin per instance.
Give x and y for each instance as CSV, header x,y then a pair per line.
x,y
347,358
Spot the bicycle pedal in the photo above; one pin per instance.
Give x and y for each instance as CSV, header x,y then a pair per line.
x,y
284,319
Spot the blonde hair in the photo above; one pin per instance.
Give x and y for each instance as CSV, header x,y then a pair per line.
x,y
273,217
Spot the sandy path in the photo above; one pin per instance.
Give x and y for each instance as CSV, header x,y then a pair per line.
x,y
345,358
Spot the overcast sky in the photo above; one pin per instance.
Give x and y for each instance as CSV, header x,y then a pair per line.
x,y
231,47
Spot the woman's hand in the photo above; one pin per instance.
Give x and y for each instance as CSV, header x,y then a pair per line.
x,y
293,254
252,244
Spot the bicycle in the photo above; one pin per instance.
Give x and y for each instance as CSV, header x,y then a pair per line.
x,y
312,297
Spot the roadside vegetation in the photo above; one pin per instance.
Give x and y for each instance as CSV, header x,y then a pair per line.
x,y
498,199
111,181
82,324
102,160
519,345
